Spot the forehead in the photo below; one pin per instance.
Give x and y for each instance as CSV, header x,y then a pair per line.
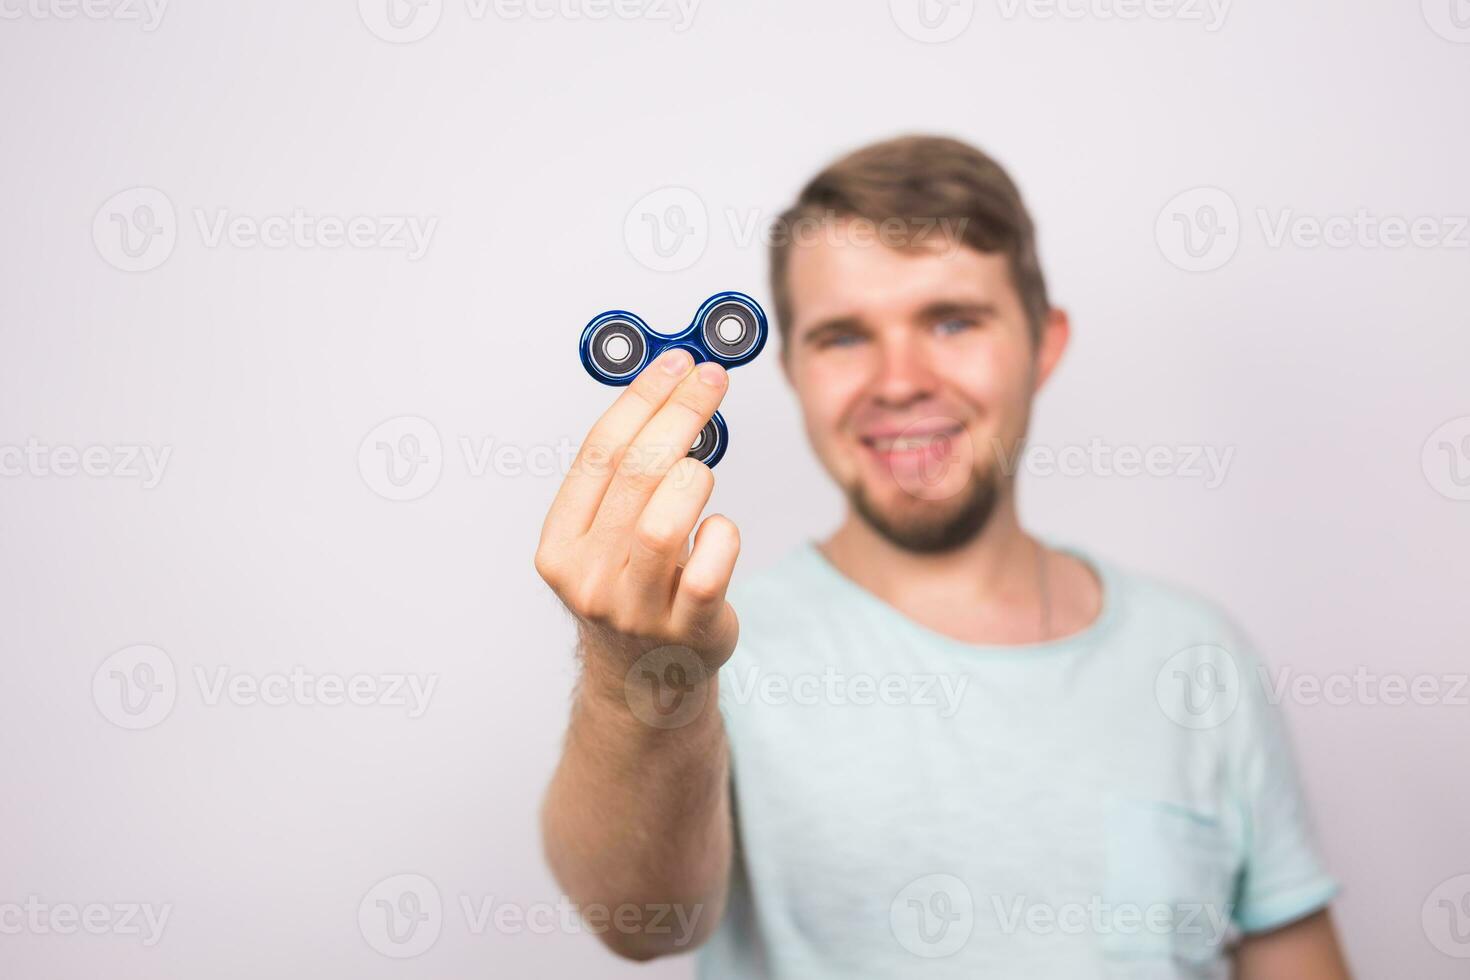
x,y
837,276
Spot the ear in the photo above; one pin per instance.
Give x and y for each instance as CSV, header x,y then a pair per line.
x,y
1055,334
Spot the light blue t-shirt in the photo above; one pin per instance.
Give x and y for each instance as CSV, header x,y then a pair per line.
x,y
1117,803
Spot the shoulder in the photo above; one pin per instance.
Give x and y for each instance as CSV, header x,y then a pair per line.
x,y
1203,667
1155,606
1183,646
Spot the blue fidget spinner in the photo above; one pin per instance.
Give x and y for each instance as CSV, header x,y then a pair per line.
x,y
729,329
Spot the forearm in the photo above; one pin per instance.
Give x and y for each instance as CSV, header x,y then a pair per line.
x,y
1304,950
639,815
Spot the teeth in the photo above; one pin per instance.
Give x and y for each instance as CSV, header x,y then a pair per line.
x,y
907,443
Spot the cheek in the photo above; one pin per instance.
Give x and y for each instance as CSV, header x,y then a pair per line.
x,y
827,389
992,377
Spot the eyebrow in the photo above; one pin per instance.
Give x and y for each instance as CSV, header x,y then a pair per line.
x,y
937,310
833,325
948,308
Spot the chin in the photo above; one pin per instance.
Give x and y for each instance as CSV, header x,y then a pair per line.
x,y
921,524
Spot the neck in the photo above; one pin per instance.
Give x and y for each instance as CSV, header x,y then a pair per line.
x,y
997,566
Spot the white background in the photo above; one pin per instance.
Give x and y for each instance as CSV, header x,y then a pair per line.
x,y
532,141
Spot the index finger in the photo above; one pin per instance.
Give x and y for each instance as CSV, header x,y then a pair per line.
x,y
663,441
586,482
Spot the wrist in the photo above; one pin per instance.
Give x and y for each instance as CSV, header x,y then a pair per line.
x,y
665,691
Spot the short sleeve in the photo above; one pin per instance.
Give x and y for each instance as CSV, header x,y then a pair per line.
x,y
1283,877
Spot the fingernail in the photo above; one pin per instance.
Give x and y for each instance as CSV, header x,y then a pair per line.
x,y
711,374
676,362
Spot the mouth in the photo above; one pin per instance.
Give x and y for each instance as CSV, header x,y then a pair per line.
x,y
912,446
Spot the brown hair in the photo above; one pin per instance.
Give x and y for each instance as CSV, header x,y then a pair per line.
x,y
922,183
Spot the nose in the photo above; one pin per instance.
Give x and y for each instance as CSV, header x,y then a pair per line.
x,y
904,371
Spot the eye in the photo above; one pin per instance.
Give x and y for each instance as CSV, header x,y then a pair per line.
x,y
844,339
953,325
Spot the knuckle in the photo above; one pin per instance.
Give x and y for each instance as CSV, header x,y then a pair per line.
x,y
624,623
690,473
546,567
649,388
693,401
702,589
590,602
595,456
641,479
658,537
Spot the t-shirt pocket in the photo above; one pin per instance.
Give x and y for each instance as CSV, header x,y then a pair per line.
x,y
1170,884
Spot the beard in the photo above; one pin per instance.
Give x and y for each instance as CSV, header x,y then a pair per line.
x,y
930,527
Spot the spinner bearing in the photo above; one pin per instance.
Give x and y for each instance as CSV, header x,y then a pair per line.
x,y
729,329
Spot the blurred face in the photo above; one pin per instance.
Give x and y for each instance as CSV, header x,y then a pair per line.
x,y
915,372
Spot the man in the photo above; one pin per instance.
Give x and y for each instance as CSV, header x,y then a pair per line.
x,y
992,757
